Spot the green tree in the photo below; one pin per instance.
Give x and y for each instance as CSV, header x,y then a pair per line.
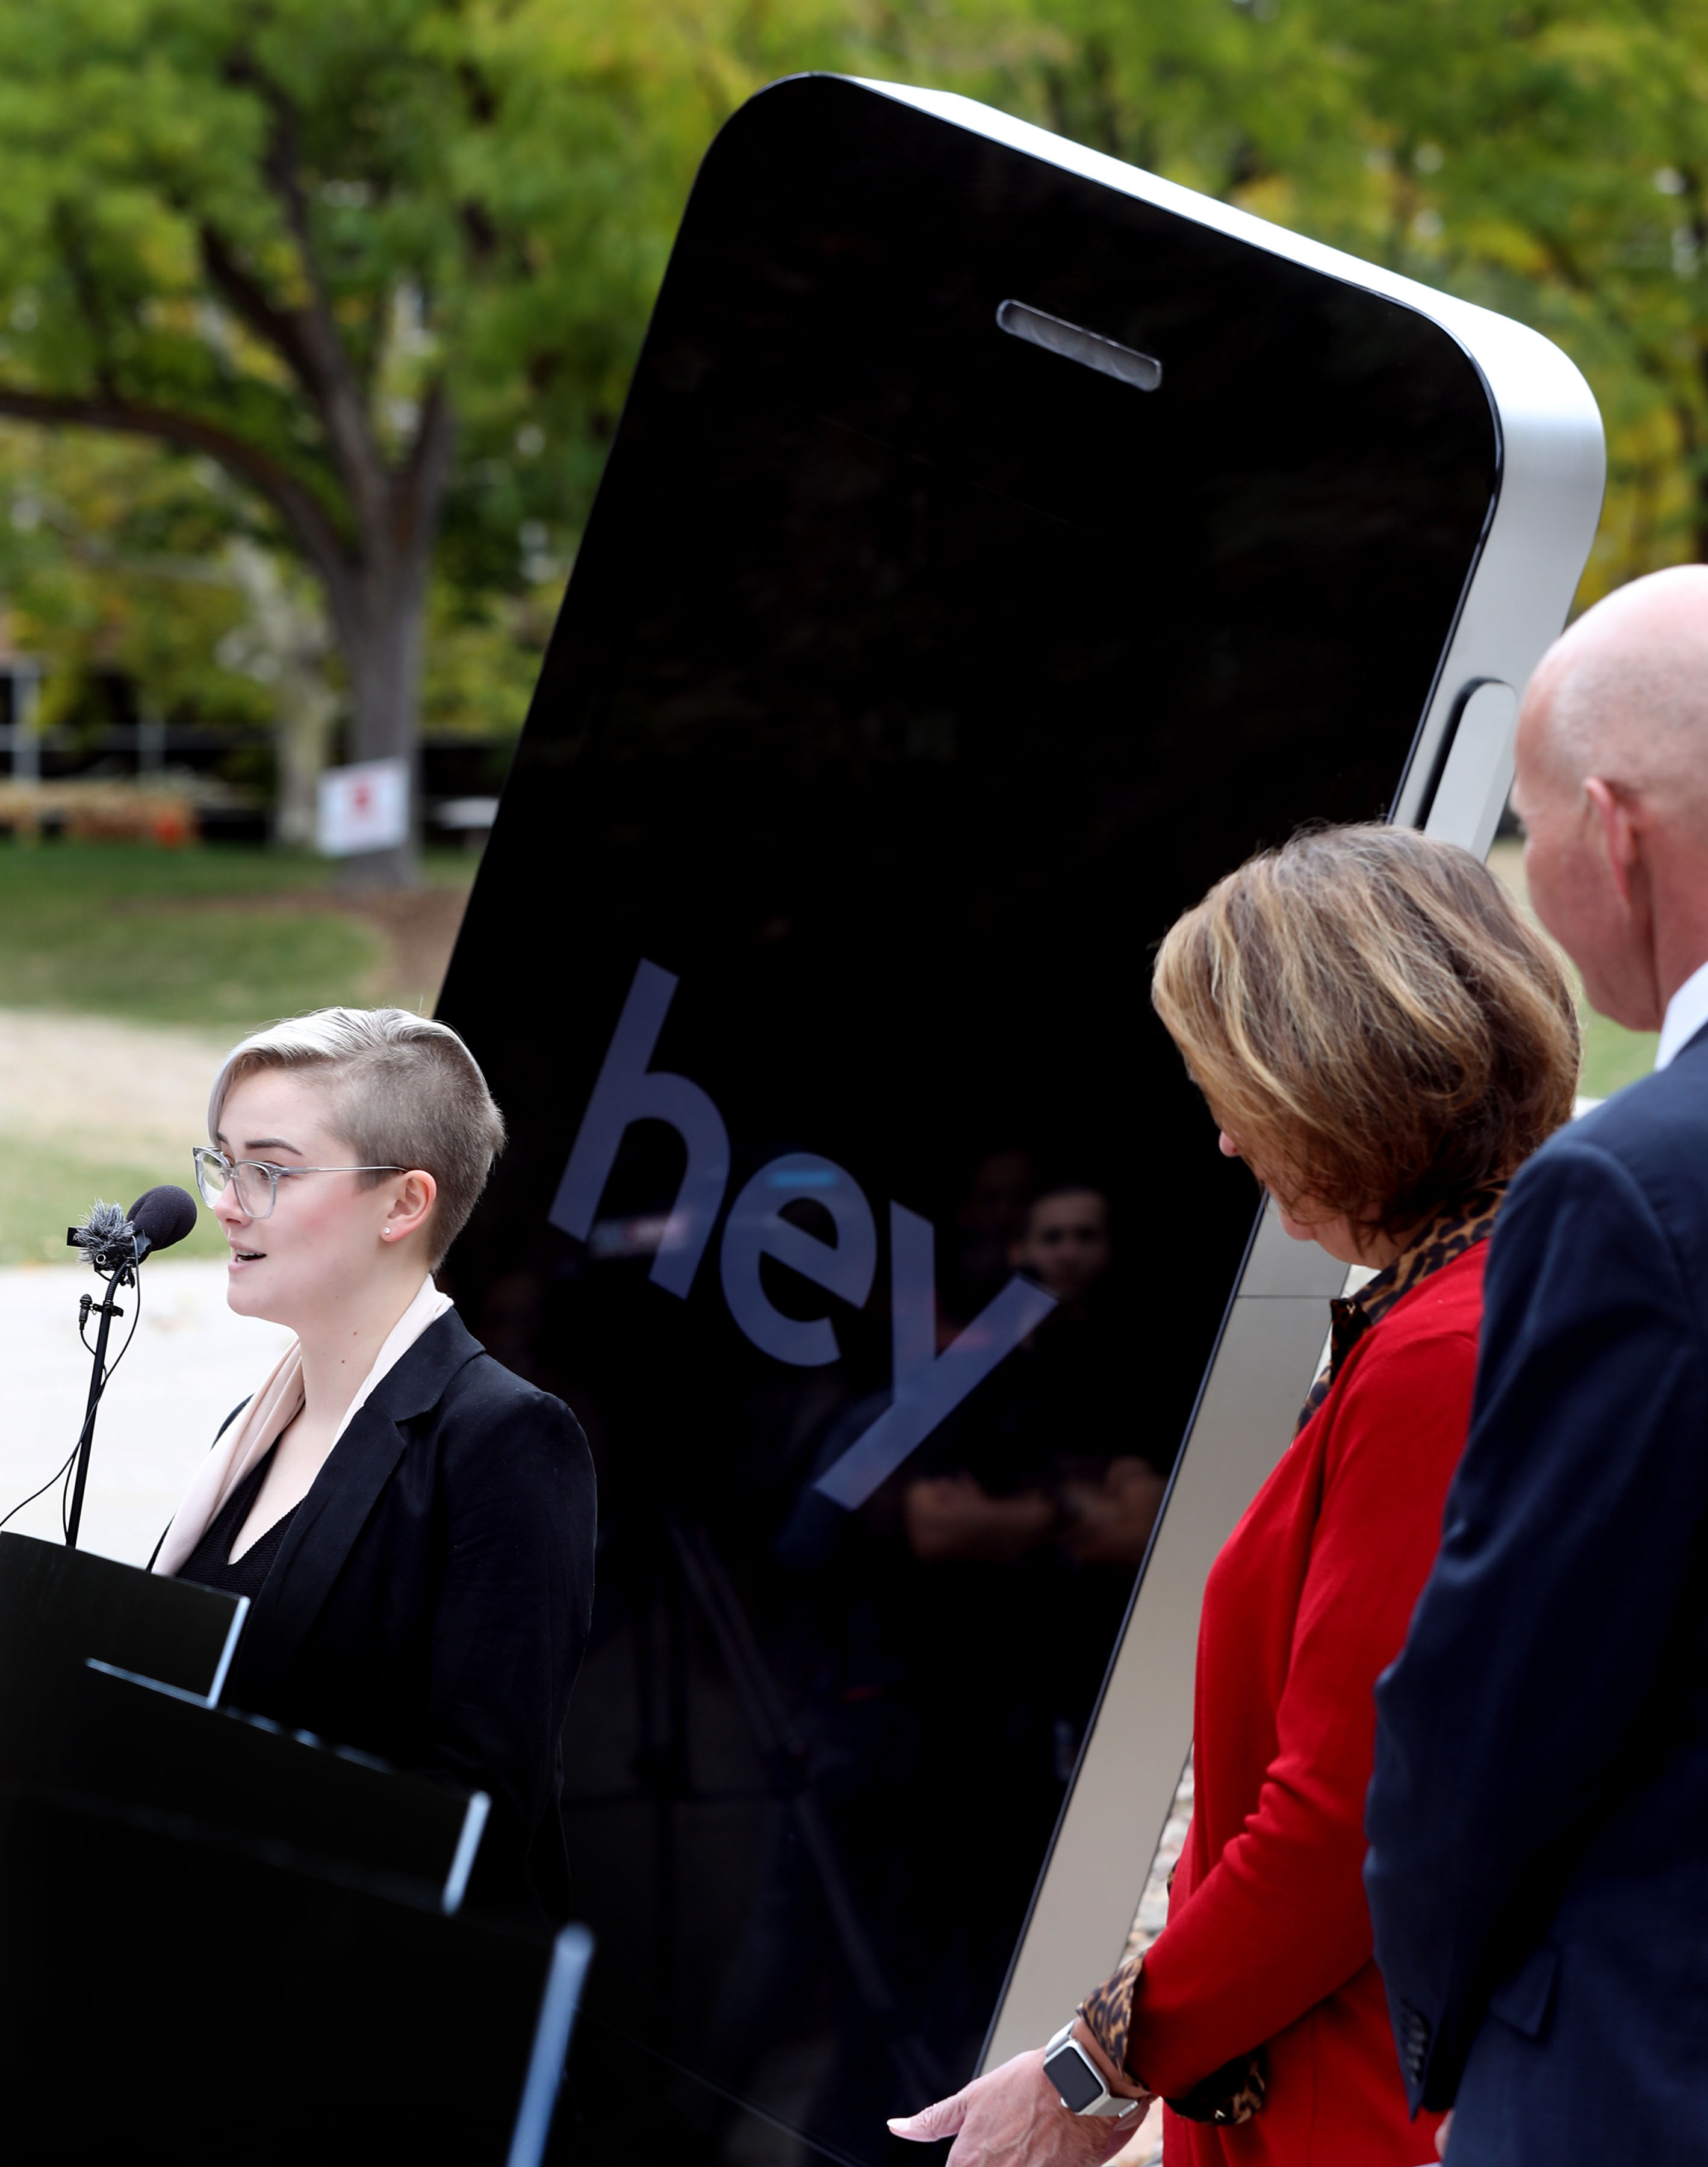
x,y
312,243
1552,160
115,560
389,265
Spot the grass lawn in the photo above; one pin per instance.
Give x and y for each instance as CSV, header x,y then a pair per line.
x,y
218,936
215,939
1614,1058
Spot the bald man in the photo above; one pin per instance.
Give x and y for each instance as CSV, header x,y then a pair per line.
x,y
1538,1873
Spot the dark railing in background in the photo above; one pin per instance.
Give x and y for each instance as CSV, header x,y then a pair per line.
x,y
458,775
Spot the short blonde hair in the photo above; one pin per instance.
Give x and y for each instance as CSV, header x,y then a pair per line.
x,y
1373,1021
404,1092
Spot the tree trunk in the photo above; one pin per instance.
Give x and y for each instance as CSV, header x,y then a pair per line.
x,y
379,607
381,626
374,569
302,736
284,645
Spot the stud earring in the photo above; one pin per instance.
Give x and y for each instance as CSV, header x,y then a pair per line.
x,y
385,1235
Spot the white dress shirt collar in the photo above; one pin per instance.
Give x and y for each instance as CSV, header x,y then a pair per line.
x,y
1686,1013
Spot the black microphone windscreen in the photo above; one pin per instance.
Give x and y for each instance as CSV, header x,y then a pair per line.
x,y
163,1216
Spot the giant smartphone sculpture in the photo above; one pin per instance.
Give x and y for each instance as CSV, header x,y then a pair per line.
x,y
998,545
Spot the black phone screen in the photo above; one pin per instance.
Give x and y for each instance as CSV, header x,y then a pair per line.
x,y
911,680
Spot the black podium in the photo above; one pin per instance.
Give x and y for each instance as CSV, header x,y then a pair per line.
x,y
221,1941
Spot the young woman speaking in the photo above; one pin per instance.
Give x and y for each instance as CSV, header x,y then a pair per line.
x,y
413,1525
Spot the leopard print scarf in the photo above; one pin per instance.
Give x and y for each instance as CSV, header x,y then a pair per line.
x,y
1439,1241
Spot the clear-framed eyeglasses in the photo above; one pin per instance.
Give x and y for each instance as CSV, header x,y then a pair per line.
x,y
253,1182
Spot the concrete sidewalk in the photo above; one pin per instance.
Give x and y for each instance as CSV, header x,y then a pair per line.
x,y
191,1362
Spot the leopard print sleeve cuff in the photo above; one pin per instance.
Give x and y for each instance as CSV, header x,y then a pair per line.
x,y
1108,2011
1230,2095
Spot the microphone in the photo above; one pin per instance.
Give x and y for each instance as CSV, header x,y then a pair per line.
x,y
110,1237
104,1235
161,1216
115,1241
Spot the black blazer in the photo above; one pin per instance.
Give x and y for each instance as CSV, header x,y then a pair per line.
x,y
431,1600
1538,1874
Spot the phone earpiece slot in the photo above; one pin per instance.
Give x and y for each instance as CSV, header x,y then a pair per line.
x,y
1124,362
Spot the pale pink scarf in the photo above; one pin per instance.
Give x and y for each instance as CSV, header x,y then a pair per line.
x,y
277,1403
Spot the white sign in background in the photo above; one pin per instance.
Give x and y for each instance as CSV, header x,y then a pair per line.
x,y
365,808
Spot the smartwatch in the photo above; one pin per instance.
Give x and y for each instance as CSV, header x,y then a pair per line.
x,y
1078,2086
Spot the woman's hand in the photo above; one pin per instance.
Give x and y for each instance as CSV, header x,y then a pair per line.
x,y
1014,2118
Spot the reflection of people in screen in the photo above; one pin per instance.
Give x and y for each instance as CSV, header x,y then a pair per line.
x,y
1025,1515
991,1220
990,1575
1095,1501
1107,1512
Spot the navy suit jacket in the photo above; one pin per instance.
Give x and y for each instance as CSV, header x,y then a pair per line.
x,y
431,1599
1538,1817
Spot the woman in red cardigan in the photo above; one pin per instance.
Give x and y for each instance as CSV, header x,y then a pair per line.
x,y
1382,1038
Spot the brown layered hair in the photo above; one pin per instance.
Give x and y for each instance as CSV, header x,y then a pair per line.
x,y
1373,1022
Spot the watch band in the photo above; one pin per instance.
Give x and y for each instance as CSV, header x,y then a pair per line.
x,y
1078,2081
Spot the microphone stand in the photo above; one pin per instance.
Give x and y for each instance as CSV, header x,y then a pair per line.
x,y
106,1310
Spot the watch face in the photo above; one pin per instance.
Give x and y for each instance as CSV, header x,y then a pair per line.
x,y
1074,2078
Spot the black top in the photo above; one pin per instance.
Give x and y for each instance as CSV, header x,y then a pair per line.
x,y
432,1596
211,1563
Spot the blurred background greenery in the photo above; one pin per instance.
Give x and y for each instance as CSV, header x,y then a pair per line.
x,y
316,322
217,939
127,971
